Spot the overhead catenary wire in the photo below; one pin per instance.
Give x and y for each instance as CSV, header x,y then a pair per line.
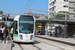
x,y
24,7
30,5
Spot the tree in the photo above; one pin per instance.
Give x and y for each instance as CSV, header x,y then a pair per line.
x,y
63,12
1,12
61,16
10,23
8,26
46,17
37,24
50,21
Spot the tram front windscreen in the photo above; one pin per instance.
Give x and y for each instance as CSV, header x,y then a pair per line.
x,y
26,24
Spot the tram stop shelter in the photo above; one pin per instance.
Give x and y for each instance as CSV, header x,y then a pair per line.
x,y
70,26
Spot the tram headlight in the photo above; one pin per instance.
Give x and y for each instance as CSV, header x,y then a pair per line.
x,y
31,37
21,37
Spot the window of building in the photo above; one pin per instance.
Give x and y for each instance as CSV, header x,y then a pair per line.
x,y
65,6
51,4
54,2
65,0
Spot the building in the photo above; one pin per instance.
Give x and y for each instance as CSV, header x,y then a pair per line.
x,y
42,16
72,9
58,5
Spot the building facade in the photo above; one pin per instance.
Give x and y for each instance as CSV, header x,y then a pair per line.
x,y
71,9
58,5
42,16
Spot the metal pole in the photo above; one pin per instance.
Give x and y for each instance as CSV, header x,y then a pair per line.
x,y
65,27
46,29
5,30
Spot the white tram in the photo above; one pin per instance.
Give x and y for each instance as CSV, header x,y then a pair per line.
x,y
24,28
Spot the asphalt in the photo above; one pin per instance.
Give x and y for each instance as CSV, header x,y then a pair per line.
x,y
69,41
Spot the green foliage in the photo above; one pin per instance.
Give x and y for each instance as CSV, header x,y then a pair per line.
x,y
50,21
46,17
37,24
1,12
63,12
8,27
61,16
10,23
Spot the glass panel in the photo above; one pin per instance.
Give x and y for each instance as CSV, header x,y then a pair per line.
x,y
26,24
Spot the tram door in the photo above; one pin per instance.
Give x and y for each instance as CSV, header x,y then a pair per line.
x,y
15,31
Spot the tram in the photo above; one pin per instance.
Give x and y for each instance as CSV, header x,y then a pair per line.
x,y
24,28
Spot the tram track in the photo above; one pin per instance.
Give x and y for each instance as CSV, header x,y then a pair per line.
x,y
36,47
51,44
61,44
32,45
22,47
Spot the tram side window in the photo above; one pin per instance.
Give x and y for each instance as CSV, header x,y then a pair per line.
x,y
15,28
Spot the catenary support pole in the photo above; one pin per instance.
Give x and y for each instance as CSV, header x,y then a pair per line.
x,y
65,34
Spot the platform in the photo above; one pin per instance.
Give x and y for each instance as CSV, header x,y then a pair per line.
x,y
5,46
70,41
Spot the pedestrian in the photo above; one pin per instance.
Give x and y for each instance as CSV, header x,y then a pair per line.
x,y
7,30
2,32
11,32
36,32
39,32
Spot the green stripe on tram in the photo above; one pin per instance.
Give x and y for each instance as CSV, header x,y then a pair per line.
x,y
15,35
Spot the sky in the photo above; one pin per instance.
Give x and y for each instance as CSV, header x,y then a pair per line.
x,y
15,7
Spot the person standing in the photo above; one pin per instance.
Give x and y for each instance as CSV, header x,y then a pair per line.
x,y
2,30
7,30
11,32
